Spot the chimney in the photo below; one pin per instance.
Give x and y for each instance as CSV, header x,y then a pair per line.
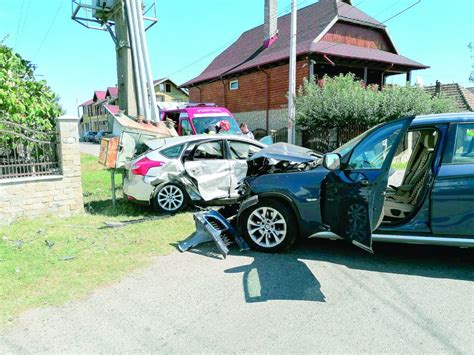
x,y
271,21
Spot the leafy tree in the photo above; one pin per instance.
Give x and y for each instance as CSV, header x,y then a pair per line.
x,y
341,101
23,99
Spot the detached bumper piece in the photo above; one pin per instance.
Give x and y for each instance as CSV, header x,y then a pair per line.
x,y
211,226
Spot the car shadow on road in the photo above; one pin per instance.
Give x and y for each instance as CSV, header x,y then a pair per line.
x,y
278,277
416,260
285,276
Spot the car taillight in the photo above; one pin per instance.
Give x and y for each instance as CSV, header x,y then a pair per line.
x,y
142,166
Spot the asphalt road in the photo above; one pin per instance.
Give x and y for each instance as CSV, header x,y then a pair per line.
x,y
89,148
322,296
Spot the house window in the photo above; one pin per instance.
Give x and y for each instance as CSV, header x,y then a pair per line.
x,y
233,85
162,87
160,98
167,87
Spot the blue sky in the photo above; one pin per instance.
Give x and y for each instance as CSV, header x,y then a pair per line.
x,y
76,61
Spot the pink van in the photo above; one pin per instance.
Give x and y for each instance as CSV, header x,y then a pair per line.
x,y
202,118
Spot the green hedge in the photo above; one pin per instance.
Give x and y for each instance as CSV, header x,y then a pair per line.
x,y
336,102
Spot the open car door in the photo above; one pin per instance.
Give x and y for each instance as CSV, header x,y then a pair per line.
x,y
209,169
353,196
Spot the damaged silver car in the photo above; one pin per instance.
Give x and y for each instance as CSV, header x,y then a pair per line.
x,y
190,170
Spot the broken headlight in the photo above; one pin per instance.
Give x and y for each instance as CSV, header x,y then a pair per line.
x,y
243,189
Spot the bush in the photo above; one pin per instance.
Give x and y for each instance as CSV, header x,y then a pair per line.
x,y
23,99
340,101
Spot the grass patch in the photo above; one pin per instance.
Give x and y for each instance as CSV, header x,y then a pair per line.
x,y
47,261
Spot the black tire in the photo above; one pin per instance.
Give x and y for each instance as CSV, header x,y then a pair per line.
x,y
170,205
251,216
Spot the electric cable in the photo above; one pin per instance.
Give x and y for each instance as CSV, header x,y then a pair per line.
x,y
61,3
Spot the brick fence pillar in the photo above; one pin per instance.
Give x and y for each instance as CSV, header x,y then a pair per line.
x,y
70,157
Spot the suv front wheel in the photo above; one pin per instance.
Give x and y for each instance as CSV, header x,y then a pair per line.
x,y
268,226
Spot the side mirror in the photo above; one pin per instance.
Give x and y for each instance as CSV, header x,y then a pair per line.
x,y
332,161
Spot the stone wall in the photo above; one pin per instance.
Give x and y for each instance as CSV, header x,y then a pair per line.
x,y
59,195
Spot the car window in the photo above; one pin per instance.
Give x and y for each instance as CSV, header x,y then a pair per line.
x,y
172,152
186,128
373,149
242,150
463,152
209,150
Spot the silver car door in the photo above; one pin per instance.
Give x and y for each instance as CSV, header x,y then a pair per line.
x,y
208,168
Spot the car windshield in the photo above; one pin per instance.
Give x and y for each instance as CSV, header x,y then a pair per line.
x,y
204,124
344,149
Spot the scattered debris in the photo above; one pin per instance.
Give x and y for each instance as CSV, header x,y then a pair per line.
x,y
48,243
40,231
120,224
18,243
68,257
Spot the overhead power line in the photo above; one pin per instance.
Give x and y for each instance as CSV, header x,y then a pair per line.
x,y
20,20
60,5
387,8
401,12
25,19
285,11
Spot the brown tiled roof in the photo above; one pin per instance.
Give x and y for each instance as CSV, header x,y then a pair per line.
x,y
247,52
372,54
463,97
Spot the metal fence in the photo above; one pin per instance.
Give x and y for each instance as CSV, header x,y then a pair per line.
x,y
323,140
25,152
328,139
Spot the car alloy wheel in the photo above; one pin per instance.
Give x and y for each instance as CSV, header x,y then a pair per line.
x,y
266,227
357,220
170,198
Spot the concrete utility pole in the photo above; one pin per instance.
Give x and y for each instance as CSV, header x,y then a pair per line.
x,y
114,16
292,76
126,85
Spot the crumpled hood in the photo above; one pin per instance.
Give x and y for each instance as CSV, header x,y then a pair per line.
x,y
287,152
282,157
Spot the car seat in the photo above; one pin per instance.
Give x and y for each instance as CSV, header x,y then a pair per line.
x,y
401,203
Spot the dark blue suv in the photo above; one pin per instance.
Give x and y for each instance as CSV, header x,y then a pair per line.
x,y
405,181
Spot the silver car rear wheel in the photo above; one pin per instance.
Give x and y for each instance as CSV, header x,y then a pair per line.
x,y
170,198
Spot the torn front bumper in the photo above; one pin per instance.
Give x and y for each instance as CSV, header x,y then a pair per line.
x,y
211,226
